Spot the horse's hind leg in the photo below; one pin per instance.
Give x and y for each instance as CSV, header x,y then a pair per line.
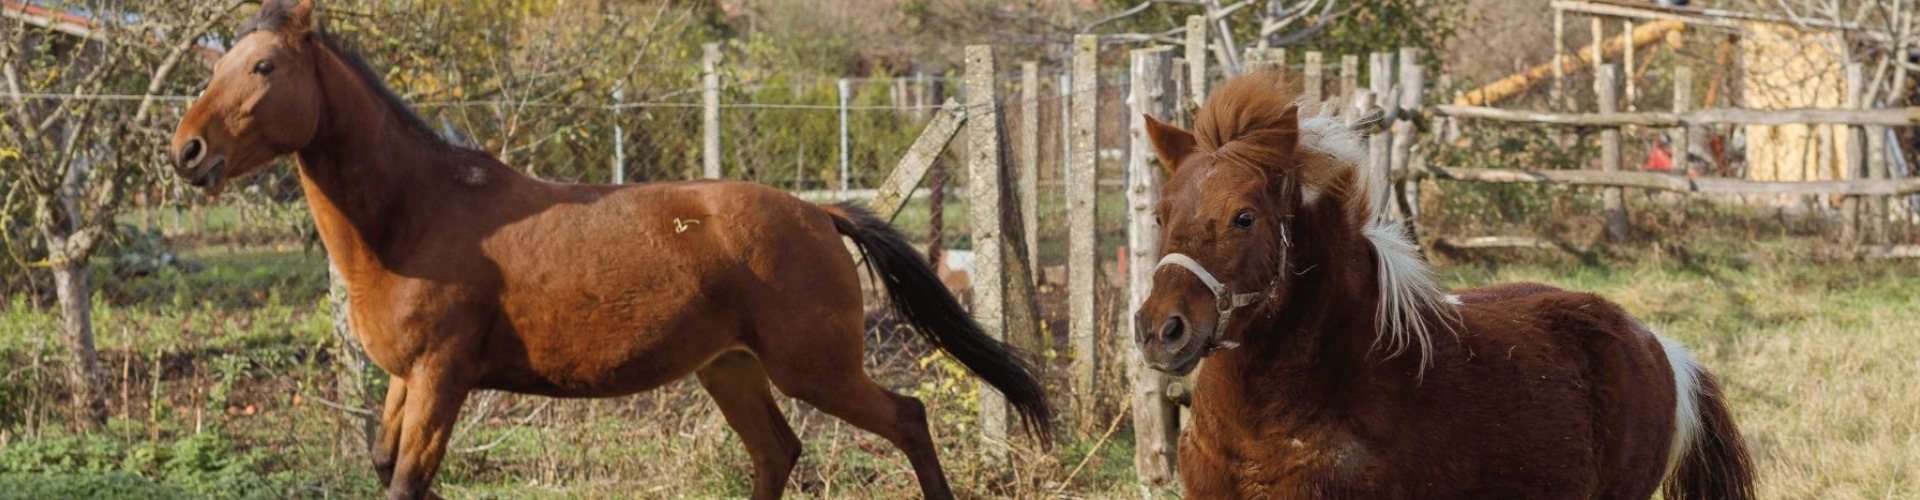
x,y
386,447
838,385
738,385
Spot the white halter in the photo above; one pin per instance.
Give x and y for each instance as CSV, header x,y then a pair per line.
x,y
1225,301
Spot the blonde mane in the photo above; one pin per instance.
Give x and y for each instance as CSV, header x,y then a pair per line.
x,y
1412,303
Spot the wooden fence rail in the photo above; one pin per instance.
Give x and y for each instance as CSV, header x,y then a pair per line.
x,y
1667,182
1881,117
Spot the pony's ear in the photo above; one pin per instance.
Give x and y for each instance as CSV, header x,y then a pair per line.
x,y
299,16
1170,142
1289,137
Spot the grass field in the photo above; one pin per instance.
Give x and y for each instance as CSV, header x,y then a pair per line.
x,y
214,371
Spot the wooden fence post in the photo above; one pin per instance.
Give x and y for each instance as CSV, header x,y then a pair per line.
x,y
1196,60
1082,265
1315,79
1682,102
1614,203
1002,294
1380,142
1412,100
1030,163
1156,423
1626,59
1559,90
1349,77
1880,207
357,381
710,80
1856,156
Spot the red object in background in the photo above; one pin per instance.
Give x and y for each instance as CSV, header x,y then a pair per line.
x,y
1660,158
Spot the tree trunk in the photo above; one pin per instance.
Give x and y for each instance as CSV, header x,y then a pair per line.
x,y
355,381
76,331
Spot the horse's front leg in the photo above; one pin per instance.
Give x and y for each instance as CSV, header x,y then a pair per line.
x,y
432,403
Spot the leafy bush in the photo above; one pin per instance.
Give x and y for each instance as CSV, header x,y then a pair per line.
x,y
95,466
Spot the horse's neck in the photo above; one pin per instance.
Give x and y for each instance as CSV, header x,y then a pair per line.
x,y
361,169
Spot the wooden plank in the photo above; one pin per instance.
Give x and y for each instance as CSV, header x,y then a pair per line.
x,y
1156,426
985,182
1030,164
1349,77
1682,102
1879,169
1556,94
710,116
893,194
1855,154
1892,117
1380,143
1082,265
1315,78
1520,82
1196,60
1670,182
1628,67
1412,98
1497,242
1612,200
1704,17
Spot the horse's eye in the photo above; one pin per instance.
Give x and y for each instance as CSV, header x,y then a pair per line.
x,y
263,68
1244,220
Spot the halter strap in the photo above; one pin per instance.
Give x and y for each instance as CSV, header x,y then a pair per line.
x,y
1224,300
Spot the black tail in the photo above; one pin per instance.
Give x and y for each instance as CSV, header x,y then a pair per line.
x,y
919,297
1715,466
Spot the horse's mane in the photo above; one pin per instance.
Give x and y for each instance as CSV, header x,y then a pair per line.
x,y
1249,120
409,120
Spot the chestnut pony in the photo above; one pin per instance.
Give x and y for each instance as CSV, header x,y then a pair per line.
x,y
1340,369
464,274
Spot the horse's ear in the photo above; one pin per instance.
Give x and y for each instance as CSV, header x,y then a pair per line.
x,y
1289,139
1170,142
299,16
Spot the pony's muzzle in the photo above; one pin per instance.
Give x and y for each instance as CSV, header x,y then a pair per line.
x,y
1171,343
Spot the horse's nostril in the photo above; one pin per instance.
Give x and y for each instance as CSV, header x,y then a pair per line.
x,y
1173,329
192,152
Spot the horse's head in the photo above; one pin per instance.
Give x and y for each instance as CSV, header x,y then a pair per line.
x,y
1226,214
263,102
1262,205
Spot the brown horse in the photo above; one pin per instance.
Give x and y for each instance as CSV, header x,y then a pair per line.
x,y
1346,372
464,274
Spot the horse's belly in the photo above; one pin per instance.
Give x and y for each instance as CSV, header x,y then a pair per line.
x,y
597,352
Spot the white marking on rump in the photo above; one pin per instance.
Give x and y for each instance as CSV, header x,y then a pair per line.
x,y
1452,299
1686,408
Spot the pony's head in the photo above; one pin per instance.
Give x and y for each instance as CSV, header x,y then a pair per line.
x,y
263,102
1256,198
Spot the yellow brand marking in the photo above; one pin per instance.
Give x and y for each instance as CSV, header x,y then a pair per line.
x,y
682,225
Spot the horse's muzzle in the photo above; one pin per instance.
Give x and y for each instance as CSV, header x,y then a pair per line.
x,y
1173,344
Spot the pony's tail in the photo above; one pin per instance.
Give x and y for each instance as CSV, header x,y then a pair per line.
x,y
1715,464
923,301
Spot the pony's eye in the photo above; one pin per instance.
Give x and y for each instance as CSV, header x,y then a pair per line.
x,y
263,67
1244,220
